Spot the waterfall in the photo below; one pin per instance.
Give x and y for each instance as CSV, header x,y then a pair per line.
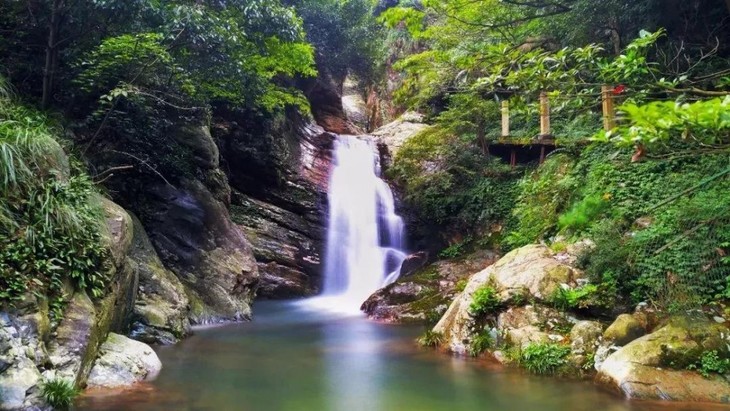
x,y
364,249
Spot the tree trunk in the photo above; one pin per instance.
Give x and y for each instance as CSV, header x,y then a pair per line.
x,y
49,71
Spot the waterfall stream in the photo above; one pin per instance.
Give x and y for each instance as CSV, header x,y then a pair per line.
x,y
365,245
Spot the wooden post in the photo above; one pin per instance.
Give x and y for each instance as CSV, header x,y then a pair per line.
x,y
505,118
609,112
513,158
542,154
544,115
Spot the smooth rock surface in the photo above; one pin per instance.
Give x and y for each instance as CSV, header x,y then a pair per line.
x,y
123,362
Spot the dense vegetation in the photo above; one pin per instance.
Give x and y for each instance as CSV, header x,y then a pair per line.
x,y
649,192
94,95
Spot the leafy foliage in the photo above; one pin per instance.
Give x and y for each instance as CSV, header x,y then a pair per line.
x,y
59,393
574,298
710,363
480,342
452,184
543,358
431,339
50,222
485,300
705,122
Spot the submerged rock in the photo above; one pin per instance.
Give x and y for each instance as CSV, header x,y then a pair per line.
x,y
643,368
123,362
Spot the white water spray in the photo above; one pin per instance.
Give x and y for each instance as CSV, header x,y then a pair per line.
x,y
365,243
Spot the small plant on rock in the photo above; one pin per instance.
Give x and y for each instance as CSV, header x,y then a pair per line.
x,y
431,339
710,362
544,358
480,343
484,300
59,393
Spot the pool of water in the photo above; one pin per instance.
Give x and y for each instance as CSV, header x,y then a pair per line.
x,y
294,358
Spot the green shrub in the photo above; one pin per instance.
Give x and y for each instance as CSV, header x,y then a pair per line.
x,y
431,339
583,213
542,195
452,251
480,343
59,393
451,185
485,300
710,362
543,358
574,298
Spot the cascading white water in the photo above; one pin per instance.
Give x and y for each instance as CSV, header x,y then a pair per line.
x,y
364,249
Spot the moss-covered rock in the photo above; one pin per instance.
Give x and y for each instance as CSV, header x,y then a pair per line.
x,y
642,369
623,330
425,294
162,307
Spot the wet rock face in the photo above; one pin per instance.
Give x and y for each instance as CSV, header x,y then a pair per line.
x,y
280,203
162,307
195,238
325,94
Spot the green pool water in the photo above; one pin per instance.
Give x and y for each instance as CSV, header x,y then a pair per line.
x,y
293,359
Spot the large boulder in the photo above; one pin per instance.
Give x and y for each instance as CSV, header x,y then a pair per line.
x,y
527,273
413,263
642,369
123,362
22,353
533,271
521,326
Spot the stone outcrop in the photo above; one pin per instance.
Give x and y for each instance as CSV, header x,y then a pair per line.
x,y
391,137
425,293
652,367
325,93
527,273
123,362
623,330
195,238
521,326
32,351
